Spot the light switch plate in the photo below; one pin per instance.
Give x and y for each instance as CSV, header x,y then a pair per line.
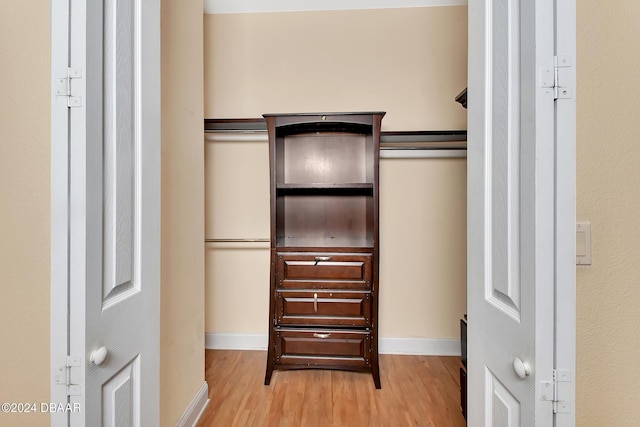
x,y
583,243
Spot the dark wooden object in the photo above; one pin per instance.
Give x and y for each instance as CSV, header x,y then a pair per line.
x,y
324,242
461,98
463,369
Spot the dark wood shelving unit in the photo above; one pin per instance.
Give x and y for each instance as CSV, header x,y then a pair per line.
x,y
343,188
324,242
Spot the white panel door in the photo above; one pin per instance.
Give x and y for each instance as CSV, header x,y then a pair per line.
x,y
512,236
114,211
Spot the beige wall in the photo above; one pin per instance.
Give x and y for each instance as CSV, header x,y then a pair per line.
x,y
423,274
237,206
25,208
608,151
408,62
25,180
182,308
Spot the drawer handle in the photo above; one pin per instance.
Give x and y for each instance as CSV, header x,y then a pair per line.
x,y
318,335
322,258
315,302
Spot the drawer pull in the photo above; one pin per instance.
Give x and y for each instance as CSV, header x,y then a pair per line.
x,y
315,302
318,335
322,258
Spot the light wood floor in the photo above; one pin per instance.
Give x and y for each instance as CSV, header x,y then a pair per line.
x,y
416,391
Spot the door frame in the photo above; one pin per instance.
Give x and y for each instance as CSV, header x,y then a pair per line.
x,y
565,214
60,210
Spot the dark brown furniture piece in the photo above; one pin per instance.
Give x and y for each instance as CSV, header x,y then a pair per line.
x,y
324,242
462,99
463,369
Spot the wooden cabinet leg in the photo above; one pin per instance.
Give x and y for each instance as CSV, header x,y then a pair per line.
x,y
267,376
376,380
375,371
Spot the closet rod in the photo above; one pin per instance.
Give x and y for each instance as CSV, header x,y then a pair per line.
x,y
236,240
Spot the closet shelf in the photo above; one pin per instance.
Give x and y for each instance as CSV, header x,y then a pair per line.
x,y
389,140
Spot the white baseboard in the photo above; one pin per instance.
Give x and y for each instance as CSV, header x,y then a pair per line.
x,y
216,341
195,409
420,346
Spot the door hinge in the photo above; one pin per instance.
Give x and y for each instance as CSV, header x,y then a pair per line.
x,y
550,391
63,375
63,87
549,77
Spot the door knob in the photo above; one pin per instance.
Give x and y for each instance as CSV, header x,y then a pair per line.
x,y
98,356
523,370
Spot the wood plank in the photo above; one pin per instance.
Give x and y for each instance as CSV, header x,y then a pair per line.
x,y
416,391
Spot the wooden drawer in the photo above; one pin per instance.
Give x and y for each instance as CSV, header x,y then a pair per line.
x,y
343,308
323,348
324,270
